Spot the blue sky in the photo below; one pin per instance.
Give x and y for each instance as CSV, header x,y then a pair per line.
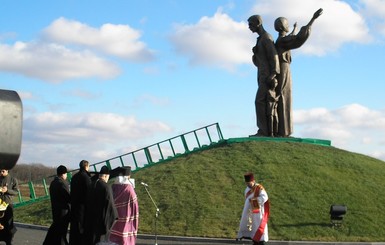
x,y
102,78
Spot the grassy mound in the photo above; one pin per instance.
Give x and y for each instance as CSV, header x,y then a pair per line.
x,y
201,194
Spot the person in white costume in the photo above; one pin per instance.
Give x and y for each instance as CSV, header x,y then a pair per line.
x,y
255,213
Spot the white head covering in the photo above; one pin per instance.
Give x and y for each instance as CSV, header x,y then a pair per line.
x,y
123,180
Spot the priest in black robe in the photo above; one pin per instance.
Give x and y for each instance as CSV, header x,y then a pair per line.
x,y
100,210
80,186
61,208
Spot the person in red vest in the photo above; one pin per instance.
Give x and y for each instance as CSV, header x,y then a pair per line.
x,y
255,213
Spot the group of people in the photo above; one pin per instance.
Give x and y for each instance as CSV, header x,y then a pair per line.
x,y
273,102
94,209
98,211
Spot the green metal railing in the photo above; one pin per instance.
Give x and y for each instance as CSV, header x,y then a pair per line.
x,y
167,149
195,140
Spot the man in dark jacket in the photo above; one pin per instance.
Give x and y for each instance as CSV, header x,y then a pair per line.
x,y
80,185
61,207
8,188
101,212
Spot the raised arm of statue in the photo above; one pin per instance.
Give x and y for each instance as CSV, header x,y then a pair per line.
x,y
315,16
284,44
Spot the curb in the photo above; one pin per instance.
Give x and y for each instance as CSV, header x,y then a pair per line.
x,y
197,240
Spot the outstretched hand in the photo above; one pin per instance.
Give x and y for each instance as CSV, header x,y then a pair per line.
x,y
315,16
318,13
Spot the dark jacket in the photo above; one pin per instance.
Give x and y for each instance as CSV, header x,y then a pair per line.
x,y
60,198
61,209
101,212
12,186
80,186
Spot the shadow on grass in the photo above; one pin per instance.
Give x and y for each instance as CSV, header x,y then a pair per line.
x,y
305,225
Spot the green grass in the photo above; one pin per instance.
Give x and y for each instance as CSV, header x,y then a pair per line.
x,y
201,194
38,213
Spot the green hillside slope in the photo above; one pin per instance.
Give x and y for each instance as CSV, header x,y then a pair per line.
x,y
201,194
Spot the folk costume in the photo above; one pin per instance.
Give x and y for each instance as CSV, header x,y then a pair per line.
x,y
255,213
61,208
80,185
125,228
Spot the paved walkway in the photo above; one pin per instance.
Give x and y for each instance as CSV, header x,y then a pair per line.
x,y
34,235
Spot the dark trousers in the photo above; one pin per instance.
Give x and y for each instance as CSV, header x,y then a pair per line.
x,y
57,232
9,230
76,234
259,243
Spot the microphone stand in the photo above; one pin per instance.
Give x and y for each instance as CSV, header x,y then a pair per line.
x,y
156,214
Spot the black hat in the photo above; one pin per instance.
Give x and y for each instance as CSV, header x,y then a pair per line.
x,y
122,171
104,170
249,177
61,170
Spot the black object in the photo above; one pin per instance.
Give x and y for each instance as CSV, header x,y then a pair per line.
x,y
123,171
11,120
337,212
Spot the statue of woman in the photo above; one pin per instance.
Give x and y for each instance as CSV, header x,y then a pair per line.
x,y
284,44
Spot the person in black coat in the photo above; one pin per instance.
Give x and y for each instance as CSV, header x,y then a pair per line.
x,y
61,209
8,189
80,185
100,209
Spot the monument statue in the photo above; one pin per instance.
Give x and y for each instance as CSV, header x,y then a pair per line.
x,y
274,110
284,44
272,105
265,58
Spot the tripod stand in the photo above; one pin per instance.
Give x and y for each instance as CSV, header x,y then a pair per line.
x,y
156,213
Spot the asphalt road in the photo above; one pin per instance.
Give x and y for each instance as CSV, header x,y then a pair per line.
x,y
34,235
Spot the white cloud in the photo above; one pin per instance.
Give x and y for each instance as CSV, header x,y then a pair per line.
x,y
68,138
106,127
117,40
53,62
350,127
314,115
358,116
374,7
71,50
374,10
223,42
216,40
